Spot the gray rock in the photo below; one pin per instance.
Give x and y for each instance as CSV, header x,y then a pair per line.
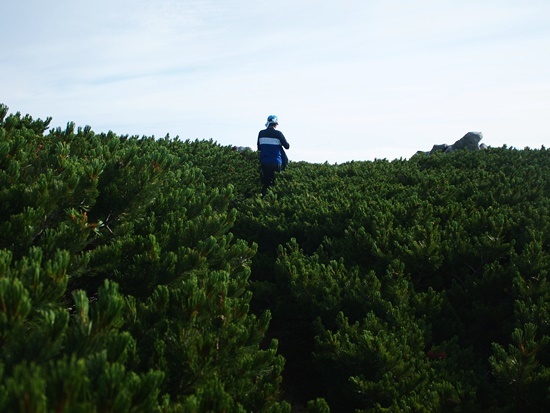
x,y
470,142
439,148
242,148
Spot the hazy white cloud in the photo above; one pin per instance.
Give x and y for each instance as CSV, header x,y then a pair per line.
x,y
349,80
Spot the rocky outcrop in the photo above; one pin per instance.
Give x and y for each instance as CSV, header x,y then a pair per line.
x,y
242,149
470,142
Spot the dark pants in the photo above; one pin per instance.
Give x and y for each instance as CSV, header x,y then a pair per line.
x,y
268,175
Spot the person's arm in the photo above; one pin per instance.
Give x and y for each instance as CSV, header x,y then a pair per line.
x,y
283,140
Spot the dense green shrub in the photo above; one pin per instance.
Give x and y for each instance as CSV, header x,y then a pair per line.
x,y
121,287
141,274
398,286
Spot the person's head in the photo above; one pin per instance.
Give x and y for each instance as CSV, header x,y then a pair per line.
x,y
272,121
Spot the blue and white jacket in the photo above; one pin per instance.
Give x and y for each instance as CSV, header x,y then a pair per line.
x,y
270,144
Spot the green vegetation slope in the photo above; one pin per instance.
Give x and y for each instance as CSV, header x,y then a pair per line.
x,y
141,274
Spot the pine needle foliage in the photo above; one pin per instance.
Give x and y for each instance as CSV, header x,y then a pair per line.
x,y
410,285
141,274
121,287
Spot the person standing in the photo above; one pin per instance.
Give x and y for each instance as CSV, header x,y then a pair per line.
x,y
272,155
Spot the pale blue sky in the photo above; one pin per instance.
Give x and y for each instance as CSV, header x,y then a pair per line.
x,y
349,80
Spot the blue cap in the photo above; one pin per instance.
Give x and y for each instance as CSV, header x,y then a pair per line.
x,y
272,119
